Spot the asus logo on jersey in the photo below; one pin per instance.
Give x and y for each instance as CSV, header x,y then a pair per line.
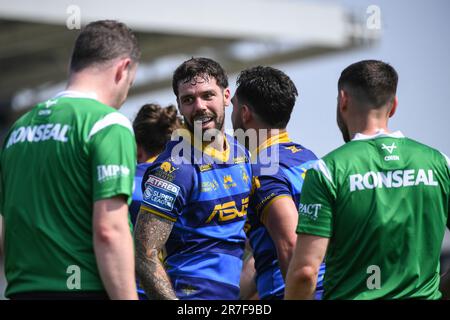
x,y
111,171
391,179
228,211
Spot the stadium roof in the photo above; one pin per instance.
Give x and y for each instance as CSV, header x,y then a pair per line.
x,y
37,38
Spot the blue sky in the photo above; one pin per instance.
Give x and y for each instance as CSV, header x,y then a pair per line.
x,y
414,40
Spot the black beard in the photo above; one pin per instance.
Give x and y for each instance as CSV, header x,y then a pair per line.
x,y
217,124
343,128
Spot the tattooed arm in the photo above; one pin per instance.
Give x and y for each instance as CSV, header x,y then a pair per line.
x,y
150,236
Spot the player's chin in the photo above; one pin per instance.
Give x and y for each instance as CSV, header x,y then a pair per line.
x,y
211,125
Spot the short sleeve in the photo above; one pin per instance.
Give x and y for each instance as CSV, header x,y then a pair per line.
x,y
266,189
113,162
166,188
316,203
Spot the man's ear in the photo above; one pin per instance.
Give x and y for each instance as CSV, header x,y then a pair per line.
x,y
394,107
122,69
246,114
343,100
226,97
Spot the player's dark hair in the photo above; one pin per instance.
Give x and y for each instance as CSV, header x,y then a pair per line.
x,y
153,126
199,67
269,93
371,82
103,41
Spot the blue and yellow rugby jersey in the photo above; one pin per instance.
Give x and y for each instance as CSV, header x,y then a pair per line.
x,y
207,198
279,167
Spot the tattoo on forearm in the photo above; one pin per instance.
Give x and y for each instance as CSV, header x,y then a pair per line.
x,y
150,235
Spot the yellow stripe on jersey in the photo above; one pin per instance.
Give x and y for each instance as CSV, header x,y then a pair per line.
x,y
223,156
266,208
152,159
282,137
157,213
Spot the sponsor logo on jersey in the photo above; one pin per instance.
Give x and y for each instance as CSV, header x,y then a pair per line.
x,y
309,210
391,179
208,186
205,167
160,193
43,132
111,171
228,182
167,167
390,149
44,112
50,103
293,149
228,211
166,171
391,158
189,289
245,177
238,160
264,201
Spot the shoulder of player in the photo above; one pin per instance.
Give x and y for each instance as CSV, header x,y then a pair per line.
x,y
427,151
346,152
103,119
238,148
294,154
171,169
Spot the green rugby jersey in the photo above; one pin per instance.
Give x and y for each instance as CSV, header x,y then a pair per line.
x,y
383,201
56,161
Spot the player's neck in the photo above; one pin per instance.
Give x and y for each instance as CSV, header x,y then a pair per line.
x,y
368,126
85,82
218,142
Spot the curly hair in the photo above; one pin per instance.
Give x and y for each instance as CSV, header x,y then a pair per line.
x,y
269,93
199,67
153,126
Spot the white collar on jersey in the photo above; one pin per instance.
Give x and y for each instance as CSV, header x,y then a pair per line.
x,y
76,94
379,133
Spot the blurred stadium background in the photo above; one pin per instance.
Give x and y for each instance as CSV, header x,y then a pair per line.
x,y
312,41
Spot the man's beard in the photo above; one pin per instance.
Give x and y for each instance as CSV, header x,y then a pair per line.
x,y
217,120
342,126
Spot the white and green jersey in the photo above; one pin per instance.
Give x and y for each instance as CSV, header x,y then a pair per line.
x,y
383,201
56,161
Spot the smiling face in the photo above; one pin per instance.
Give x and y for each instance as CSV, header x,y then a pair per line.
x,y
202,103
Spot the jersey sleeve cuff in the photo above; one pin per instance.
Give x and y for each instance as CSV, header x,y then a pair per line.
x,y
320,232
158,213
264,211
